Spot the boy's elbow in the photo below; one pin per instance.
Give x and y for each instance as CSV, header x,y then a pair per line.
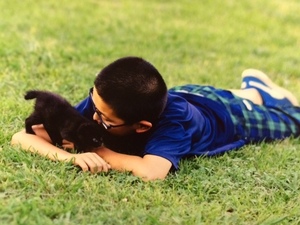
x,y
152,167
150,175
16,138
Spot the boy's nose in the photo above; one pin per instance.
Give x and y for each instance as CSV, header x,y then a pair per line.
x,y
96,118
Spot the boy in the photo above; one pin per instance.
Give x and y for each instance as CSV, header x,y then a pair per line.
x,y
150,129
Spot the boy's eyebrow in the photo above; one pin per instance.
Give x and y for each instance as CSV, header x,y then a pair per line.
x,y
92,93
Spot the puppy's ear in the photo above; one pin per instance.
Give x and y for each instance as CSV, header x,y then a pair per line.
x,y
69,135
84,127
89,128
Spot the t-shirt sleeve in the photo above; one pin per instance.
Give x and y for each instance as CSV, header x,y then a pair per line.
x,y
171,142
85,108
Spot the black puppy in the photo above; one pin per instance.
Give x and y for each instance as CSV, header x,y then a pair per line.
x,y
62,121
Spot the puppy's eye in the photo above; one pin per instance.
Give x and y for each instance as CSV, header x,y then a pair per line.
x,y
95,140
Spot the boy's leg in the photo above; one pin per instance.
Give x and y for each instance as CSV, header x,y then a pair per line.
x,y
250,93
252,121
271,93
261,122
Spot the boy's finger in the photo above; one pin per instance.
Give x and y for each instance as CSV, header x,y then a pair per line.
x,y
99,161
96,163
82,165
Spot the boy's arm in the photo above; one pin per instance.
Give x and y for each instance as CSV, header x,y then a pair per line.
x,y
149,167
41,145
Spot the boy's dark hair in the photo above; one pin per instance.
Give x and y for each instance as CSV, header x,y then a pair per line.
x,y
133,88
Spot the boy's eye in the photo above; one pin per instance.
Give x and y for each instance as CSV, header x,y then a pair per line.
x,y
106,120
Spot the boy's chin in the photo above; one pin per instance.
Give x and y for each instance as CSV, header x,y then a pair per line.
x,y
121,132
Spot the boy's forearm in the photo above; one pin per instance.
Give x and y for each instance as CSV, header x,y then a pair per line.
x,y
149,167
88,161
36,144
118,161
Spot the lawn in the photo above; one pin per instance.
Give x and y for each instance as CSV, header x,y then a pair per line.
x,y
61,45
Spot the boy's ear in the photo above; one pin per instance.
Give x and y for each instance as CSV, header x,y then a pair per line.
x,y
142,126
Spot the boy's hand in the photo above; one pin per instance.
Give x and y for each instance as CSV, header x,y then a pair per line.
x,y
90,161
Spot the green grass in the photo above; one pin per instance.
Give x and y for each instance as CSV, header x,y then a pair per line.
x,y
61,45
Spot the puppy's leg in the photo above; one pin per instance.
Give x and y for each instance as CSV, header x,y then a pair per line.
x,y
69,135
33,119
54,134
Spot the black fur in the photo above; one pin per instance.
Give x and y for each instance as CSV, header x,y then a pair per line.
x,y
62,121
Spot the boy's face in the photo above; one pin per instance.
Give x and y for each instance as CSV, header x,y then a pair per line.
x,y
106,116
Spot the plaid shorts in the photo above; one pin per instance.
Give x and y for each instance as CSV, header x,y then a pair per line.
x,y
253,123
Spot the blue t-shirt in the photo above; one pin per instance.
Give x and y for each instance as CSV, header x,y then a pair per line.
x,y
191,125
